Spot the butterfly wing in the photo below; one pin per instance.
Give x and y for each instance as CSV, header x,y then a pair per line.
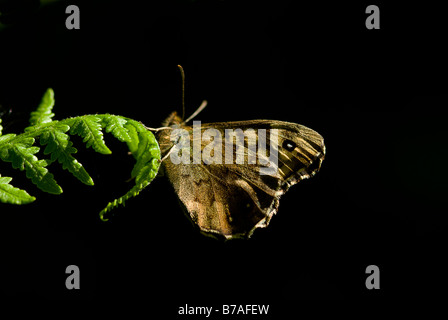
x,y
232,199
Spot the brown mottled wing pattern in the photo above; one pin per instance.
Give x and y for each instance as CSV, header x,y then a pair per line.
x,y
233,200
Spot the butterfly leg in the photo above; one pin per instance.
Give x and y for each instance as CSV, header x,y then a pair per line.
x,y
167,155
155,129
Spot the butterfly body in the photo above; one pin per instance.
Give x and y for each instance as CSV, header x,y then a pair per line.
x,y
232,199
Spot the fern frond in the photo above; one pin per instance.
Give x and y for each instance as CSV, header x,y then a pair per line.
x,y
10,194
54,135
89,128
43,113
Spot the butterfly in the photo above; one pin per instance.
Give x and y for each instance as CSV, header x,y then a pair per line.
x,y
229,199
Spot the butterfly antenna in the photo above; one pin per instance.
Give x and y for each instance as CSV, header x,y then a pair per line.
x,y
167,155
182,73
201,107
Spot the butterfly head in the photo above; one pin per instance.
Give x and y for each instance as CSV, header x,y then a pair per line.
x,y
172,120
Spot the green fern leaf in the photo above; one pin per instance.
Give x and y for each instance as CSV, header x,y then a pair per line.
x,y
20,151
60,148
115,125
6,139
43,113
22,157
89,128
10,194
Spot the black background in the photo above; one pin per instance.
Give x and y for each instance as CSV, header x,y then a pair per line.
x,y
377,97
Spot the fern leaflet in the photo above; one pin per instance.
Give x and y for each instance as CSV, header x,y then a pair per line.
x,y
115,125
20,153
43,113
60,148
89,127
10,194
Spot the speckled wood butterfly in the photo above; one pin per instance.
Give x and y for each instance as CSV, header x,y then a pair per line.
x,y
232,199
